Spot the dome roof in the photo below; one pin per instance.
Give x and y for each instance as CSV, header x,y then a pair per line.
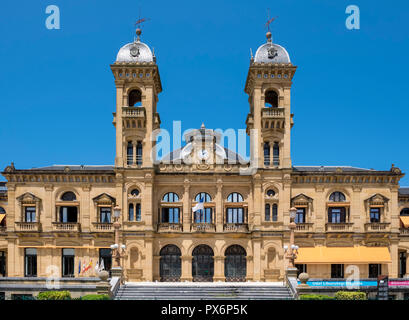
x,y
135,52
271,53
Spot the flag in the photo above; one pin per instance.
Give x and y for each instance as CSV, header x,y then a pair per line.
x,y
97,268
199,205
101,266
79,267
88,266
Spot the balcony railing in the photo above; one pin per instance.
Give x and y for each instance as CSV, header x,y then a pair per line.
x,y
273,112
66,226
339,227
27,226
377,227
303,227
170,227
404,232
236,227
133,112
203,227
102,227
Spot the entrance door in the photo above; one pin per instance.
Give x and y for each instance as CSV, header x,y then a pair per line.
x,y
2,264
235,264
202,264
170,264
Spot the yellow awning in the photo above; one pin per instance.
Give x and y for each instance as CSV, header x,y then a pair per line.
x,y
343,255
2,216
405,221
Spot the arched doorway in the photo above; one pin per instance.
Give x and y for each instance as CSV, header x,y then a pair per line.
x,y
170,263
235,264
202,264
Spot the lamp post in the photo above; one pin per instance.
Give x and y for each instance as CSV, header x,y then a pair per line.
x,y
117,249
292,251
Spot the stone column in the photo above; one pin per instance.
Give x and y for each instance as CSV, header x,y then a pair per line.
x,y
219,206
186,269
156,268
149,266
85,209
187,210
257,259
219,268
249,268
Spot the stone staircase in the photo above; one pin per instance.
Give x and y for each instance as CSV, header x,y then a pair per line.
x,y
203,291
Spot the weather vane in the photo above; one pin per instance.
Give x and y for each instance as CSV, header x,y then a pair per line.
x,y
269,20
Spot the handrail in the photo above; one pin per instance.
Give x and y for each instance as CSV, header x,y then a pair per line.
x,y
115,284
292,285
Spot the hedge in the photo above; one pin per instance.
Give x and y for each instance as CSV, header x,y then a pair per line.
x,y
315,297
350,295
95,297
54,295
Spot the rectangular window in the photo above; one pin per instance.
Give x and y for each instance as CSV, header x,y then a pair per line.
x,y
337,271
266,154
105,215
170,215
336,215
139,153
300,215
2,263
138,212
68,256
301,268
30,262
402,264
235,215
30,214
267,212
375,215
131,212
275,212
375,270
129,153
105,257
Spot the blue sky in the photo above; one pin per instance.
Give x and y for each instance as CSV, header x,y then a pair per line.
x,y
349,94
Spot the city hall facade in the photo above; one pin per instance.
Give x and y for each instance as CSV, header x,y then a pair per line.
x,y
63,215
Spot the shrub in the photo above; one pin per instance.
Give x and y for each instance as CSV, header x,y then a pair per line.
x,y
315,297
54,295
95,297
350,295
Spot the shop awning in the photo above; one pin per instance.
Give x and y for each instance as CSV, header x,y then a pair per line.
x,y
2,216
343,255
405,221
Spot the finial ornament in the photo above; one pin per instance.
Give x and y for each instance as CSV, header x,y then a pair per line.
x,y
202,126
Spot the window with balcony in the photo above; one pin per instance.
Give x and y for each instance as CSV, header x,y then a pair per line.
x,y
300,216
375,215
204,215
170,213
30,262
68,214
29,214
105,215
67,262
336,215
235,214
337,271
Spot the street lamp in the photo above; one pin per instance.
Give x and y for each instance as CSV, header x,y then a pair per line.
x,y
117,250
292,251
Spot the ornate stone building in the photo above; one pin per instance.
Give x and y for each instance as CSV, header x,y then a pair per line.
x,y
62,215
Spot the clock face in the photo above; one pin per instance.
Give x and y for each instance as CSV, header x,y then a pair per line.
x,y
203,154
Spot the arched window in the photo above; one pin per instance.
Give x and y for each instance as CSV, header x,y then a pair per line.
x,y
134,192
337,197
135,98
204,215
276,154
202,263
170,263
170,197
68,196
274,214
271,99
170,214
266,153
271,193
267,212
2,211
235,263
2,223
404,212
235,197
